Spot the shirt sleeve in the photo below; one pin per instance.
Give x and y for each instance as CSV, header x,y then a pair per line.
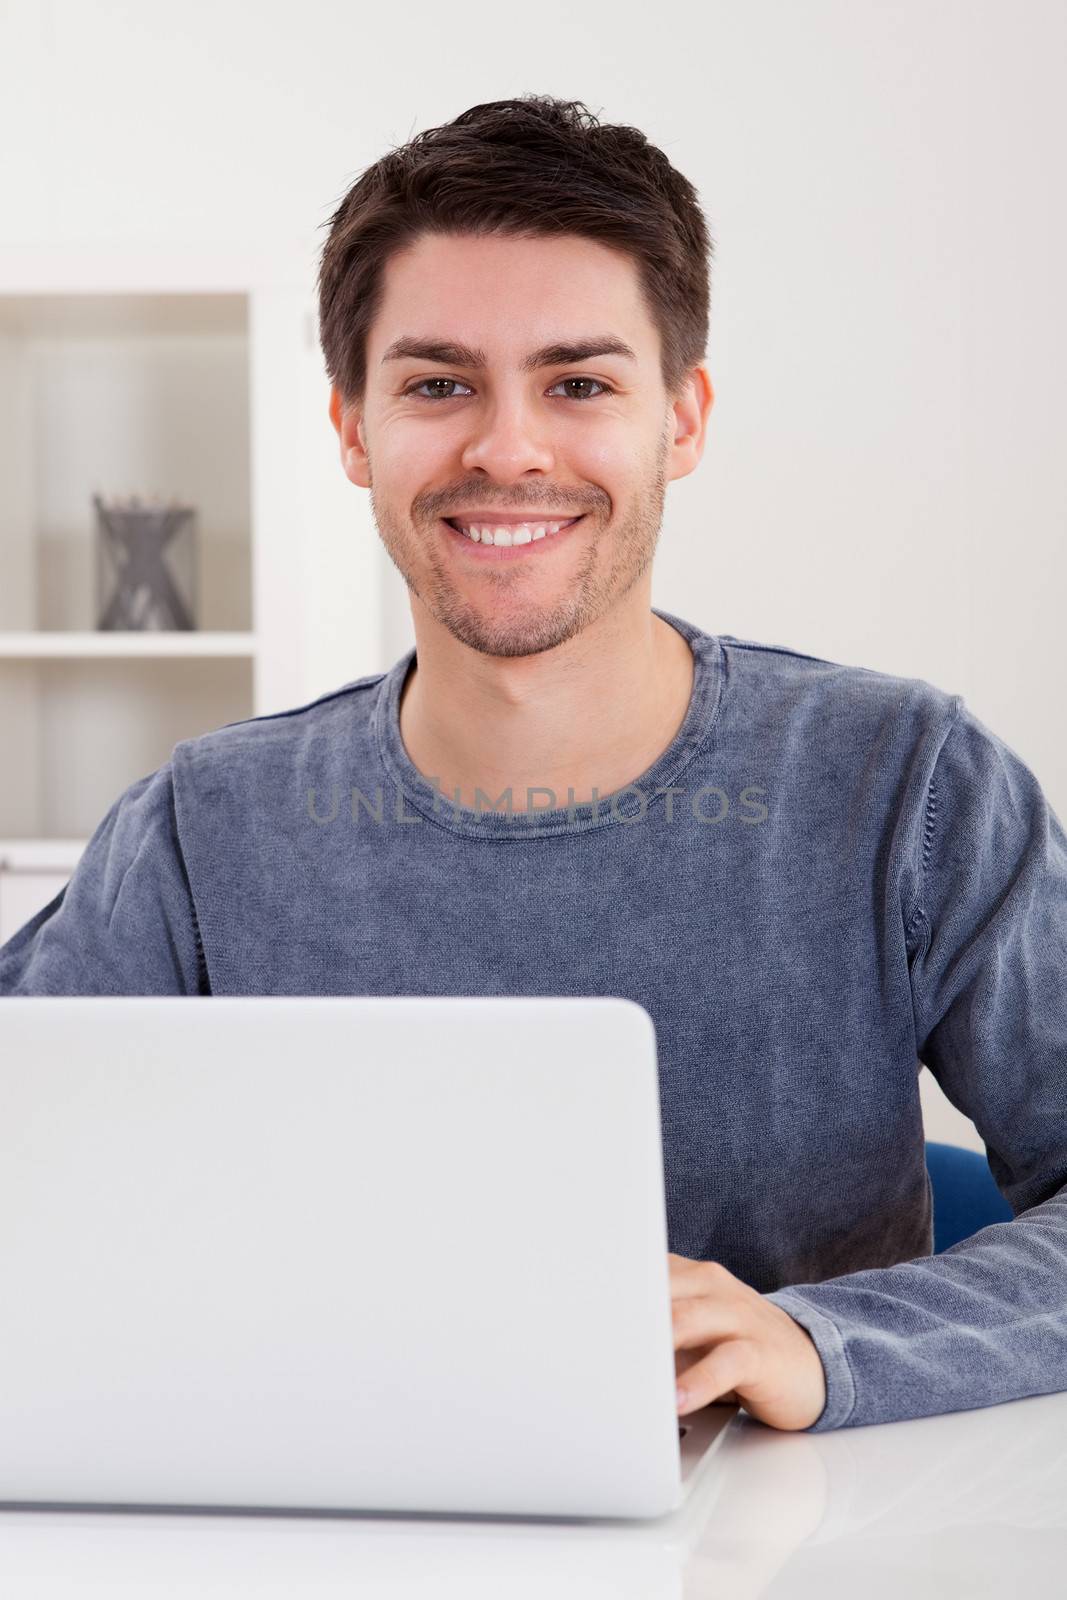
x,y
125,922
985,1321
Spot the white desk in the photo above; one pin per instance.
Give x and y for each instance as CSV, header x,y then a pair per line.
x,y
972,1504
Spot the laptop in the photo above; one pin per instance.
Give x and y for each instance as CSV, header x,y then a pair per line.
x,y
367,1254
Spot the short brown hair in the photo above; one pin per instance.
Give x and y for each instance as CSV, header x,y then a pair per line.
x,y
530,167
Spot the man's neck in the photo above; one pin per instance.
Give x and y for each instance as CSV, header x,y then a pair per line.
x,y
592,714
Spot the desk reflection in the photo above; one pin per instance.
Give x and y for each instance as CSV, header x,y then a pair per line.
x,y
972,1503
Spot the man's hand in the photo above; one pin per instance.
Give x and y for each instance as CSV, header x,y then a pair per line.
x,y
733,1345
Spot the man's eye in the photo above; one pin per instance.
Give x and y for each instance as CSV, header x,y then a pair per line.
x,y
427,382
415,387
603,387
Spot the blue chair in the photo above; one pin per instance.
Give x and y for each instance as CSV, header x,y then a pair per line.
x,y
965,1194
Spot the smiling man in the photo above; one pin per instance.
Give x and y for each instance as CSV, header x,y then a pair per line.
x,y
518,461
814,877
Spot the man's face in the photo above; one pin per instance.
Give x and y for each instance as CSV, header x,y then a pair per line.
x,y
594,437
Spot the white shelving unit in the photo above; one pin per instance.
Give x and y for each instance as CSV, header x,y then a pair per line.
x,y
190,384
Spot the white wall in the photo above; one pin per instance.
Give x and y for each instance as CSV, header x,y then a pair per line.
x,y
883,483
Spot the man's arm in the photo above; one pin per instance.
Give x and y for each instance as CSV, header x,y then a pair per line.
x,y
125,922
986,1321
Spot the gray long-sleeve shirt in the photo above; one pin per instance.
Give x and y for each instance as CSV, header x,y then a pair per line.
x,y
830,875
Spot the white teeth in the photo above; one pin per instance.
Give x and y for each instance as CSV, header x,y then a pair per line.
x,y
518,533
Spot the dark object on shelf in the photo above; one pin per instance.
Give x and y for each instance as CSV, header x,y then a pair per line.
x,y
146,566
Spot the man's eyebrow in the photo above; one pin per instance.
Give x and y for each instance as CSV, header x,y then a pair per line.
x,y
562,354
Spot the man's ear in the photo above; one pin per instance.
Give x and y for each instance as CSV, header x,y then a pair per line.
x,y
690,422
349,426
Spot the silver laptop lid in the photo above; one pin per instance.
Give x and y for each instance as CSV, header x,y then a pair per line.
x,y
401,1254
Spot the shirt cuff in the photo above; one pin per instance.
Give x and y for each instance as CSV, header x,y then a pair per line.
x,y
840,1385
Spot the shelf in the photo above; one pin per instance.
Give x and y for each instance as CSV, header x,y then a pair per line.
x,y
59,645
95,315
40,855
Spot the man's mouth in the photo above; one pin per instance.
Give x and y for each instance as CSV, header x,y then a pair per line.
x,y
506,541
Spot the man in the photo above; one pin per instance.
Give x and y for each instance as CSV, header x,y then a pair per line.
x,y
812,876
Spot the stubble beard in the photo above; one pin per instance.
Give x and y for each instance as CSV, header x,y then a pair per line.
x,y
520,628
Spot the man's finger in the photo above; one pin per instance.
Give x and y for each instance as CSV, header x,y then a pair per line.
x,y
722,1372
689,1278
678,1264
698,1321
684,1359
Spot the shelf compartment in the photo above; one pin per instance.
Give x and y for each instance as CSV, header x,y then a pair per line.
x,y
77,732
121,394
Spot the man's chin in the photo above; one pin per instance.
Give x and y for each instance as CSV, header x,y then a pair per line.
x,y
513,637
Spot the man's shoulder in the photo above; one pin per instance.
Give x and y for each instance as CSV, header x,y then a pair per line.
x,y
806,685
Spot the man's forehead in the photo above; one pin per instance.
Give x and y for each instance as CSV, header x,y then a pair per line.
x,y
590,307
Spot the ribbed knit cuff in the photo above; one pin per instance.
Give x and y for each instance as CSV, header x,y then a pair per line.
x,y
840,1386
